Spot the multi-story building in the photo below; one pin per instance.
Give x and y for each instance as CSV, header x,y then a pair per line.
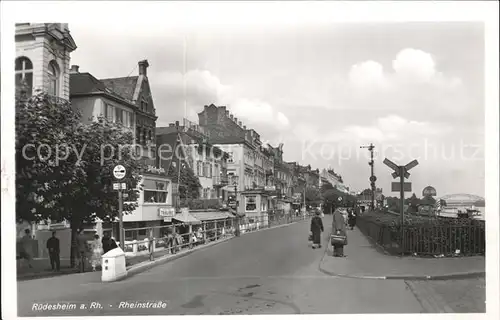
x,y
128,101
42,64
282,179
189,144
247,159
43,58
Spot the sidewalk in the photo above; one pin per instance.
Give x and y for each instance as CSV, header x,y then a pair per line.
x,y
41,269
364,261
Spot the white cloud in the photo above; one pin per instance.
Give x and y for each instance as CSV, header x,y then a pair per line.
x,y
258,112
201,87
367,74
391,128
414,65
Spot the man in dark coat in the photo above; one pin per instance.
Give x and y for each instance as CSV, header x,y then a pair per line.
x,y
108,244
338,227
316,229
54,250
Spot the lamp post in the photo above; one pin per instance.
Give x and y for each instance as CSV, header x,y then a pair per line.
x,y
237,231
373,178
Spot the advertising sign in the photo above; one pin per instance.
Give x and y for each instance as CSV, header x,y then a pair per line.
x,y
166,213
429,191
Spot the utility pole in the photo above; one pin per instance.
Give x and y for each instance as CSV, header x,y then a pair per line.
x,y
237,231
373,178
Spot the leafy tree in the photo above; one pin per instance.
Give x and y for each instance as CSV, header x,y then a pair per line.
x,y
70,177
313,196
189,183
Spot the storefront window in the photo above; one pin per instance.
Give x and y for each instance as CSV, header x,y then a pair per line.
x,y
250,203
155,191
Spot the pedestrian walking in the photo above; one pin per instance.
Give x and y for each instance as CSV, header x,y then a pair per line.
x,y
97,251
25,248
338,232
81,246
352,219
53,248
316,229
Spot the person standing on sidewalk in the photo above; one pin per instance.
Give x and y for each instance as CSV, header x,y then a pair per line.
x,y
316,229
25,247
338,228
54,252
81,246
96,252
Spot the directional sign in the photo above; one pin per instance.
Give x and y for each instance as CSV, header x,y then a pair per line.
x,y
391,164
124,186
116,186
396,187
340,198
119,172
411,165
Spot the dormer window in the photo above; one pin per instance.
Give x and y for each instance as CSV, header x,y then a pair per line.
x,y
144,105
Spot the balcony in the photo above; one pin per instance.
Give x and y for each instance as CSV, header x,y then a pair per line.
x,y
220,181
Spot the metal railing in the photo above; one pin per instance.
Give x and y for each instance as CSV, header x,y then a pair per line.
x,y
161,241
431,236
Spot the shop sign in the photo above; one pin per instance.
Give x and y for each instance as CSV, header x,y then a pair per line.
x,y
153,169
270,188
166,213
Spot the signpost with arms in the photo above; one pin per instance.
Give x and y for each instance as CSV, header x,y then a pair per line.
x,y
402,173
119,172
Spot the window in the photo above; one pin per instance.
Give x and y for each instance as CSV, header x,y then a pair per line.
x,y
118,115
108,112
144,105
24,74
155,191
138,135
208,170
200,169
250,203
53,71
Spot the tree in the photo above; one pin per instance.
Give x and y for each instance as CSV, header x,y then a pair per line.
x,y
67,174
313,196
189,183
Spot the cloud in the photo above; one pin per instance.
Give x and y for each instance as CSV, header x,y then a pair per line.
x,y
189,94
367,74
391,128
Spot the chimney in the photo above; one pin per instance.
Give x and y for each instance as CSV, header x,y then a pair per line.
x,y
171,125
177,124
235,120
74,69
245,127
143,68
227,113
239,123
231,116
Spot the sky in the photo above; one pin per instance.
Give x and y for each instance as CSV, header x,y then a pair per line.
x,y
414,90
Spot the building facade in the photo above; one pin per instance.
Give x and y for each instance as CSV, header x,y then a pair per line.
x,y
188,144
249,163
43,58
128,102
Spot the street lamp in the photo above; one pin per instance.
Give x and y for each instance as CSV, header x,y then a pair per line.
x,y
373,178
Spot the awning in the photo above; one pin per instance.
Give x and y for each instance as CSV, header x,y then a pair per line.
x,y
211,215
189,219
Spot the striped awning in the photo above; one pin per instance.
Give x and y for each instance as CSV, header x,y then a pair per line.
x,y
211,215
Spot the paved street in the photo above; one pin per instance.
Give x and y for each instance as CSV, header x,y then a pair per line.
x,y
267,272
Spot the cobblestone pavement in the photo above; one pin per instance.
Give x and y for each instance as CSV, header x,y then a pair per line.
x,y
451,296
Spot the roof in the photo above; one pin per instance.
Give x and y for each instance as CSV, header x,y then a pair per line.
x,y
125,87
189,219
211,215
85,84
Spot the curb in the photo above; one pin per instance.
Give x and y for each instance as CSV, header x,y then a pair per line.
x,y
450,276
151,264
